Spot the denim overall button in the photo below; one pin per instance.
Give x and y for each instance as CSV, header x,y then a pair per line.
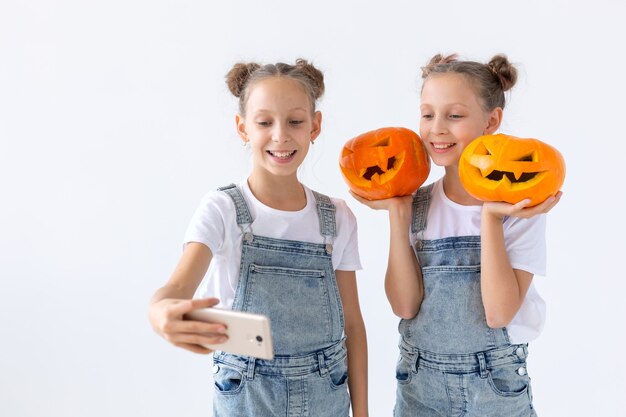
x,y
329,248
520,352
248,237
521,371
216,368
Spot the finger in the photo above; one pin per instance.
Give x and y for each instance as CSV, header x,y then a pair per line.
x,y
186,306
193,326
204,302
542,208
552,204
545,206
522,204
194,348
198,339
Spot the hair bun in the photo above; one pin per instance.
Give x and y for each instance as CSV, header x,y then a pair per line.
x,y
315,76
504,71
238,76
437,60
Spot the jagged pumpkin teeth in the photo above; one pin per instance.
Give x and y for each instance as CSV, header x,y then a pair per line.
x,y
384,163
506,168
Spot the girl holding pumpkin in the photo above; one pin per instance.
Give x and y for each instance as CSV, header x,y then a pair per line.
x,y
460,270
273,246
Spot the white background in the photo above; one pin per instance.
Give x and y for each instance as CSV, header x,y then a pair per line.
x,y
115,120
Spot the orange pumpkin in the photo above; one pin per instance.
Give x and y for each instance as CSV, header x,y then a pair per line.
x,y
505,168
384,163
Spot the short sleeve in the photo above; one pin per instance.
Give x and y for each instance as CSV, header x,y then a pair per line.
x,y
350,260
207,223
525,241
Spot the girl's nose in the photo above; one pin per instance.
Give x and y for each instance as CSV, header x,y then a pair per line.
x,y
439,126
279,134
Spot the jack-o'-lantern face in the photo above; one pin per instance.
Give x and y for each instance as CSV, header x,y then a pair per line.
x,y
384,163
505,168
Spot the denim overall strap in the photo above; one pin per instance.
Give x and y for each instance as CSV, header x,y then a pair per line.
x,y
326,214
451,319
421,202
243,214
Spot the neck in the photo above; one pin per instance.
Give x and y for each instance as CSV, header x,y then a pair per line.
x,y
280,193
453,188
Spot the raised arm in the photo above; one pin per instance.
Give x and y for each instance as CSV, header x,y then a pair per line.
x,y
171,302
503,288
403,279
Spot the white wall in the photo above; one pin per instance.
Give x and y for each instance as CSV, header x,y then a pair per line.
x,y
115,120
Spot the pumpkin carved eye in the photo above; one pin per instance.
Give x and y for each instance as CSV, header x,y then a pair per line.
x,y
506,168
384,163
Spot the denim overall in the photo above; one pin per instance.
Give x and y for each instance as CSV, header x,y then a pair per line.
x,y
451,363
293,283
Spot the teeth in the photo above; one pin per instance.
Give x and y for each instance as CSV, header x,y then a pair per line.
x,y
442,145
282,155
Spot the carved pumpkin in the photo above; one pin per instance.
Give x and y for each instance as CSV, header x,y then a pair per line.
x,y
505,168
384,163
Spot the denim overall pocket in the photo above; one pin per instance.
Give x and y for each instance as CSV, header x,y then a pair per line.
x,y
228,380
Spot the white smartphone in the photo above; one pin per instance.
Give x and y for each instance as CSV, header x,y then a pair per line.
x,y
248,334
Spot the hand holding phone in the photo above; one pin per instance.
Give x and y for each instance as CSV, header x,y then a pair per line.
x,y
248,334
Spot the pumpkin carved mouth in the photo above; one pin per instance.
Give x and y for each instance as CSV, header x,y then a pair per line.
x,y
498,175
513,177
382,175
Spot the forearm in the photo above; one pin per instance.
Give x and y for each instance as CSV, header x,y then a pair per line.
x,y
356,344
187,275
171,291
500,286
403,280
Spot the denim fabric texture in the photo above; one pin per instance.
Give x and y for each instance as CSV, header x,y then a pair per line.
x,y
451,363
293,283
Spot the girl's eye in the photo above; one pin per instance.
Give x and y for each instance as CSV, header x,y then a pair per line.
x,y
455,116
263,123
427,116
296,122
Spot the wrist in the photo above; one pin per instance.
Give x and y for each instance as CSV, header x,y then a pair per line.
x,y
400,209
487,215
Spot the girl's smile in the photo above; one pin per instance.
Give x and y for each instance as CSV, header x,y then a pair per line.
x,y
282,157
439,147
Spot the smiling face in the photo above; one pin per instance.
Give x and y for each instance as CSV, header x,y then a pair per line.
x,y
279,125
452,115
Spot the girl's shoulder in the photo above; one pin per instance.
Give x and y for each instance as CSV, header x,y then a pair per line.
x,y
218,199
218,204
343,213
338,203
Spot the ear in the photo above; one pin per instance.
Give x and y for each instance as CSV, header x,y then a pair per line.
x,y
493,121
241,128
316,127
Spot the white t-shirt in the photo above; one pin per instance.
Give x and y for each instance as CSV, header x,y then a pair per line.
x,y
525,244
215,225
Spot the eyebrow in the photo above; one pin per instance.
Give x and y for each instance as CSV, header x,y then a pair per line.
x,y
270,111
447,105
